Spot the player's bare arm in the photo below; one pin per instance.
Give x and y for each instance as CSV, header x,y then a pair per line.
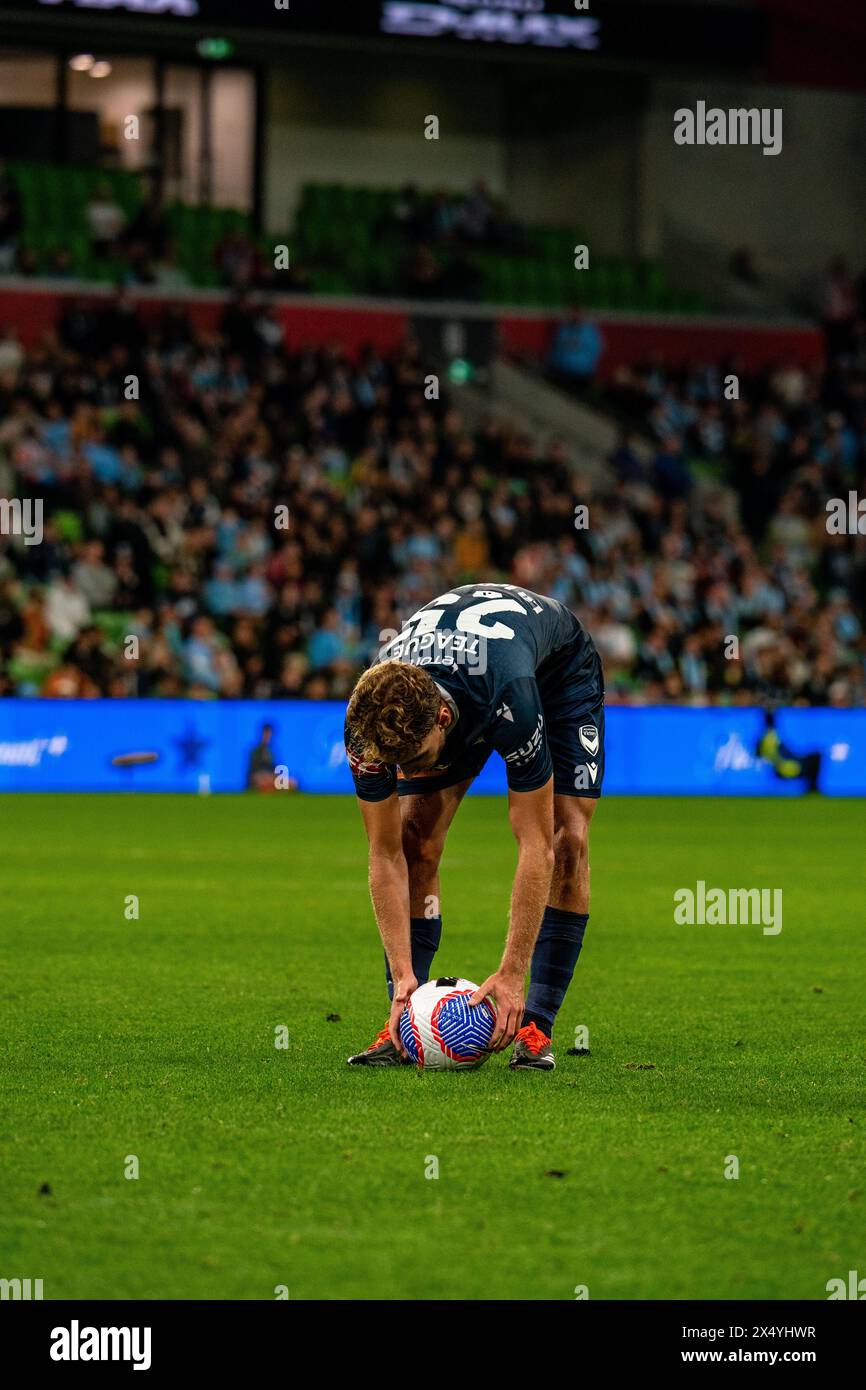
x,y
389,891
531,818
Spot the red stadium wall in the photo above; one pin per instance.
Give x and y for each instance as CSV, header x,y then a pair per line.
x,y
629,340
34,311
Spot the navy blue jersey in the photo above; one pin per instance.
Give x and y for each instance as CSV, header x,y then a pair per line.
x,y
489,648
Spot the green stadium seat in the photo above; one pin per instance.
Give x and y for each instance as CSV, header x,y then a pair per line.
x,y
343,228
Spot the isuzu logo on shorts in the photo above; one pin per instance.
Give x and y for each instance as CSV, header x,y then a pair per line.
x,y
588,735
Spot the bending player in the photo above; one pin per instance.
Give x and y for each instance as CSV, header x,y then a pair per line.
x,y
482,668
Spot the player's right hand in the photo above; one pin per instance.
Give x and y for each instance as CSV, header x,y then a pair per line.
x,y
506,993
403,990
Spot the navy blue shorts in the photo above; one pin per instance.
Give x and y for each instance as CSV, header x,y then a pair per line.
x,y
572,701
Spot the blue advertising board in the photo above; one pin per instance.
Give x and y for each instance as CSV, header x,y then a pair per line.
x,y
60,745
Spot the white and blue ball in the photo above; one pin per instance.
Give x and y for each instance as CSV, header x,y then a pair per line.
x,y
440,1030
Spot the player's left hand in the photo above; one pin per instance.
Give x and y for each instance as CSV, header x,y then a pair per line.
x,y
506,994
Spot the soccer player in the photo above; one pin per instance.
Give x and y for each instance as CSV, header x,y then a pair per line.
x,y
485,667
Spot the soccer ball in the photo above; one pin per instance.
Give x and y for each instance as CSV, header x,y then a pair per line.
x,y
440,1030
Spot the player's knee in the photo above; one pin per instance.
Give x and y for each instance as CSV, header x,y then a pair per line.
x,y
422,852
571,848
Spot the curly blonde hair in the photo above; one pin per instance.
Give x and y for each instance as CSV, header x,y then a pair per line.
x,y
391,710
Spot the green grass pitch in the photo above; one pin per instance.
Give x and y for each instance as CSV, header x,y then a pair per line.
x,y
262,1167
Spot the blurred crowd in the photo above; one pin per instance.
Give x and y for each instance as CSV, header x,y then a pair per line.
x,y
724,528
440,234
140,249
258,521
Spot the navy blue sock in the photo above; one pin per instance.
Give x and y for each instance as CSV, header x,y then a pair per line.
x,y
425,934
553,961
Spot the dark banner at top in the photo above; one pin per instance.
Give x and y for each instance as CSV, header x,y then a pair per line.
x,y
713,34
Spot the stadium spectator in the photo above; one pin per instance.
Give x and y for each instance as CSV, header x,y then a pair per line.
x,y
91,577
626,460
11,351
26,262
443,218
202,657
66,608
59,265
670,470
237,260
408,213
147,234
260,769
67,682
476,214
838,307
577,347
106,221
10,224
327,644
423,274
